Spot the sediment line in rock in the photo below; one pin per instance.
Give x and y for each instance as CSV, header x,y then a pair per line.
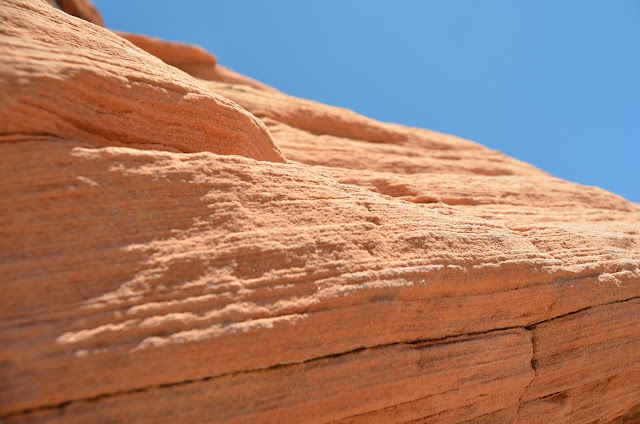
x,y
369,415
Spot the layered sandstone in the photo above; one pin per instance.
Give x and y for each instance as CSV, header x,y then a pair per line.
x,y
162,261
66,79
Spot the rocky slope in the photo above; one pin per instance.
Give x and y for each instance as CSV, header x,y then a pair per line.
x,y
161,260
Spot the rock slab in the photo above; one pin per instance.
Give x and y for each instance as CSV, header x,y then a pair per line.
x,y
161,260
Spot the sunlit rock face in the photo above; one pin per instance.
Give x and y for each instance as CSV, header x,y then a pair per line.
x,y
181,243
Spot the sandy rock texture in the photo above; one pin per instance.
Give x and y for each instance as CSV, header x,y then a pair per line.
x,y
65,78
192,59
161,260
83,9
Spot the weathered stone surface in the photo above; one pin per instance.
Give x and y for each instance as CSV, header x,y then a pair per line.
x,y
599,401
310,116
226,75
83,9
192,59
433,379
383,274
604,340
66,78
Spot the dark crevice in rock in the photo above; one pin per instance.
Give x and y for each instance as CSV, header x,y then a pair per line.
x,y
445,340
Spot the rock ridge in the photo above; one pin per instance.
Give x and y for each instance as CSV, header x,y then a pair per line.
x,y
110,93
161,260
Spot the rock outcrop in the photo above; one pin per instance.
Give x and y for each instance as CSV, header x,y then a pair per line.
x,y
63,78
161,261
83,9
194,60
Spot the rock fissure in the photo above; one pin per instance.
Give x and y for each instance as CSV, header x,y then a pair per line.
x,y
568,314
533,367
440,341
444,340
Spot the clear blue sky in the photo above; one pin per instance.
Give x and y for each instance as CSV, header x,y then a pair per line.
x,y
555,83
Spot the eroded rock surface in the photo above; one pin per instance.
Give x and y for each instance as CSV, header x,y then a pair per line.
x,y
192,59
65,78
154,270
83,9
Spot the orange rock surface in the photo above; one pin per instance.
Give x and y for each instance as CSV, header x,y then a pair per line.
x,y
161,261
66,79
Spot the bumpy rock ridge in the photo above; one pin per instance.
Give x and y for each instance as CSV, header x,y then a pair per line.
x,y
384,274
64,78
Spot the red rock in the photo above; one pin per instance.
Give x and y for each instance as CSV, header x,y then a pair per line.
x,y
222,74
309,116
89,85
383,274
83,9
192,59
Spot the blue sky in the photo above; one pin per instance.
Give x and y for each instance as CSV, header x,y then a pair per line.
x,y
553,83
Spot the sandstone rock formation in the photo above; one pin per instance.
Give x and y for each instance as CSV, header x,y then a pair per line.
x,y
66,79
162,262
194,60
83,9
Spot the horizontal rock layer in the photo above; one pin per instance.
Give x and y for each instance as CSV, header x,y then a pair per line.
x,y
383,274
